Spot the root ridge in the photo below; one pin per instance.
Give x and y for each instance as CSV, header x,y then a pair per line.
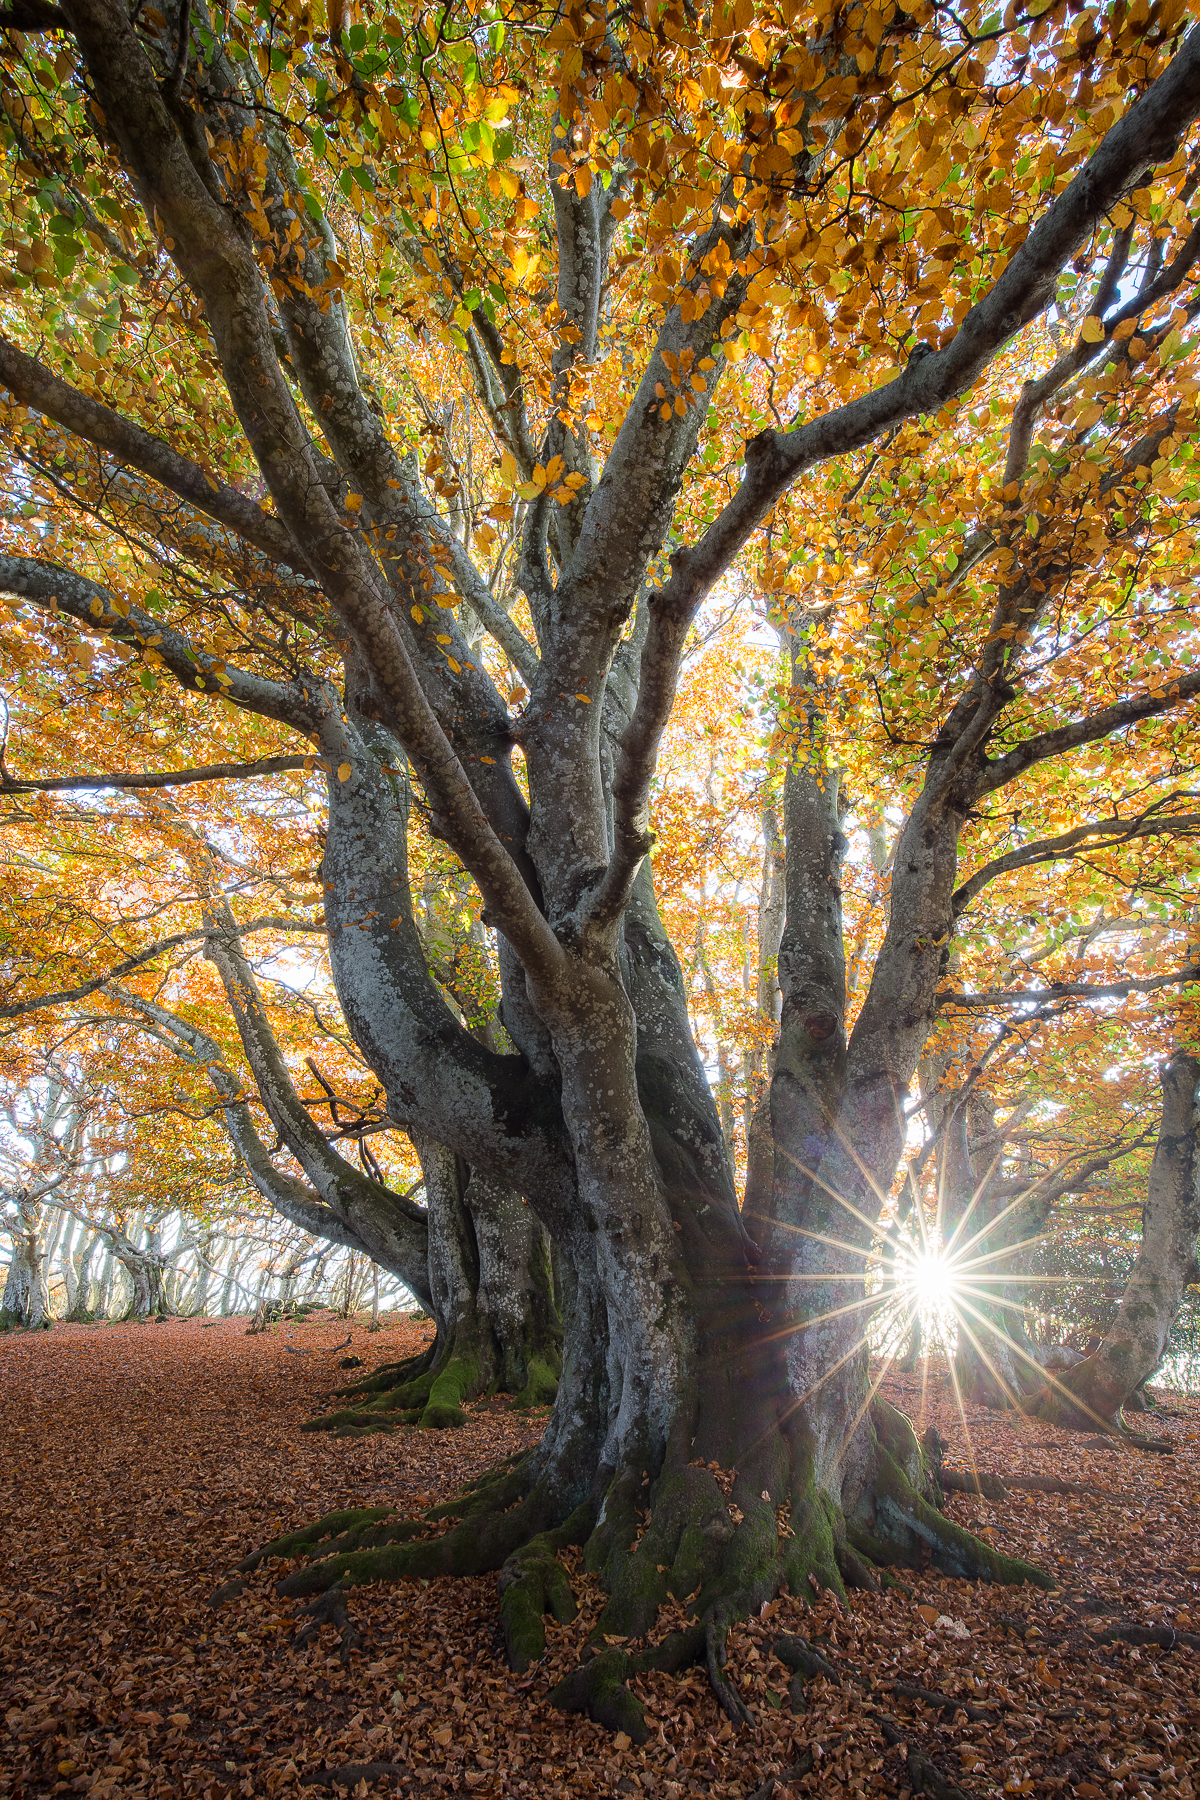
x,y
330,1609
350,1774
923,1772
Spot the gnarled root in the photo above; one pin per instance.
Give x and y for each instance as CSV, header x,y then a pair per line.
x,y
348,1775
430,1391
897,1519
426,1391
533,1583
923,1772
720,1542
729,1699
330,1609
598,1688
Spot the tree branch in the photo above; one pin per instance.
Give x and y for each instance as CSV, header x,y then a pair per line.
x,y
219,264
1070,990
1146,135
266,765
294,1200
38,387
1102,833
1118,717
49,584
63,996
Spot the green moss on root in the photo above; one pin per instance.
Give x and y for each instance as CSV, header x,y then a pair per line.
x,y
598,1688
321,1532
533,1583
541,1384
688,1519
455,1382
908,1519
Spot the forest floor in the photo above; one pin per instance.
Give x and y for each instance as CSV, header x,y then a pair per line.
x,y
140,1462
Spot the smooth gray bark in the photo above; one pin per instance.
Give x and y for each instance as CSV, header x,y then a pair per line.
x,y
1093,1393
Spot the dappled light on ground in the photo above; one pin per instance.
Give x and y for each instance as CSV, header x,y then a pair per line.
x,y
141,1462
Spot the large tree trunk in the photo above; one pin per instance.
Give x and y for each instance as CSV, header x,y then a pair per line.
x,y
693,1345
1091,1395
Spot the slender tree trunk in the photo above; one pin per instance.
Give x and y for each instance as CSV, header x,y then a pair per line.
x,y
84,1302
1094,1391
105,1282
67,1265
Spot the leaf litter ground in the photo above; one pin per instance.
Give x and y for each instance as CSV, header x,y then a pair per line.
x,y
142,1461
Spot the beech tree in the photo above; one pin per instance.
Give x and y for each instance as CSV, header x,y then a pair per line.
x,y
684,260
44,1127
1092,1393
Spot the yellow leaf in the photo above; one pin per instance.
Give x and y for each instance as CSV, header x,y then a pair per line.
x,y
508,467
583,182
1092,331
418,615
457,667
354,501
585,698
345,771
487,759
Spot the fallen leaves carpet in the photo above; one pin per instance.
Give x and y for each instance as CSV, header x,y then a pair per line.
x,y
140,1462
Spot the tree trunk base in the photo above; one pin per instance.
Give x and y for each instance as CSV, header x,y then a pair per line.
x,y
429,1391
715,1539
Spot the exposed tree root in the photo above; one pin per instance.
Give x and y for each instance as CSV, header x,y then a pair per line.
x,y
719,1541
923,1772
229,1590
429,1391
949,1702
330,1609
772,1783
1165,1637
350,1774
320,1536
992,1487
533,1583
